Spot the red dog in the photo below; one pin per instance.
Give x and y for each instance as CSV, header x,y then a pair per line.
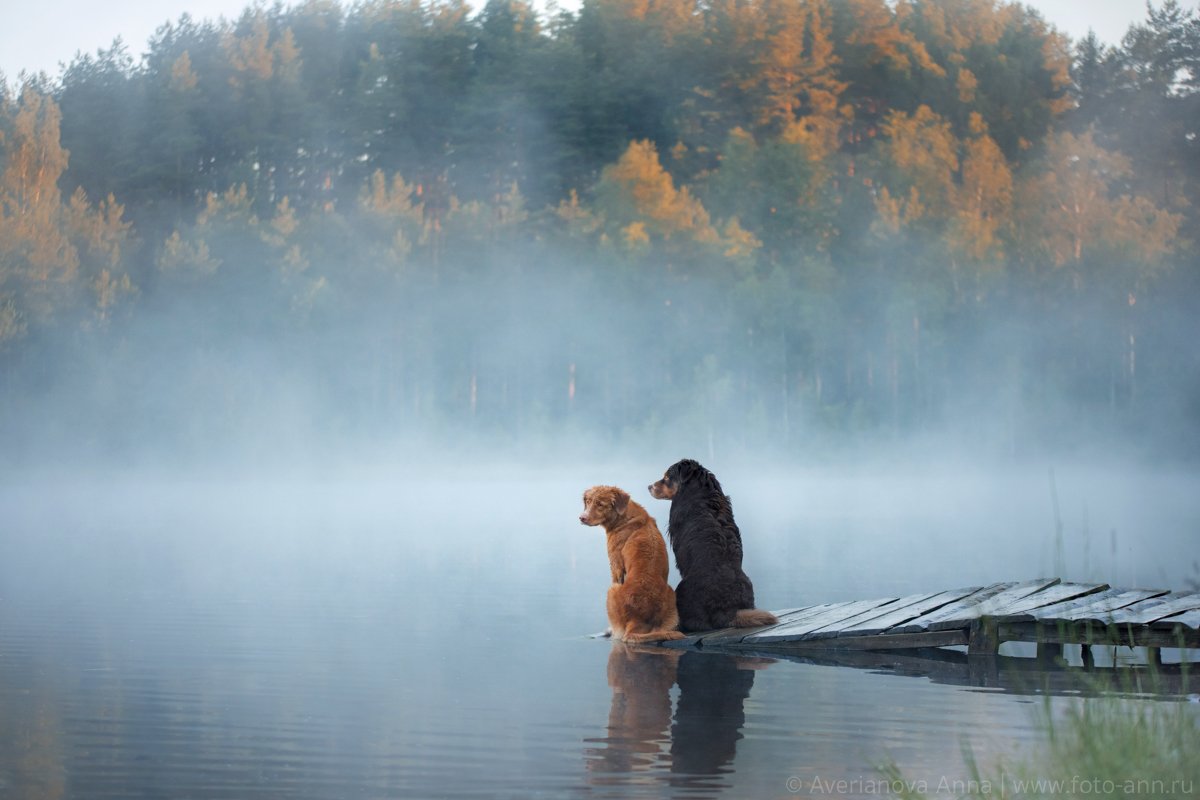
x,y
641,604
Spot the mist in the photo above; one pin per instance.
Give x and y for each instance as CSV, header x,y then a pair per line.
x,y
293,243
316,323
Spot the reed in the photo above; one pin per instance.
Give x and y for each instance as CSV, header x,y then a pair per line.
x,y
1106,746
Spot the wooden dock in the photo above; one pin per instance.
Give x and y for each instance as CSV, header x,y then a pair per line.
x,y
1048,612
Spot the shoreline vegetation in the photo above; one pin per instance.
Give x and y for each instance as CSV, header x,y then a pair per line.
x,y
1109,745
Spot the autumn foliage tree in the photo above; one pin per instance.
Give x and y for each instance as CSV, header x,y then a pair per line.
x,y
61,261
828,218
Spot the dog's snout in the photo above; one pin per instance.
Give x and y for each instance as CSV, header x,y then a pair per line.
x,y
583,518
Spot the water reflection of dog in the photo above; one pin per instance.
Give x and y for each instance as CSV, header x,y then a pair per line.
x,y
639,719
710,714
643,743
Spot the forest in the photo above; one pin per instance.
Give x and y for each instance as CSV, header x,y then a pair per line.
x,y
786,226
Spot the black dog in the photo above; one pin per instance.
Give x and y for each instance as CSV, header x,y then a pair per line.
x,y
713,590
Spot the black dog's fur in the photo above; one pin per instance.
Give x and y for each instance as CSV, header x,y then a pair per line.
x,y
713,590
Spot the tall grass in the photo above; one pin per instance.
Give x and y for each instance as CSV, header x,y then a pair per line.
x,y
1103,747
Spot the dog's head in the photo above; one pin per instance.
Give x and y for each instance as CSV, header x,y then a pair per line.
x,y
604,505
678,474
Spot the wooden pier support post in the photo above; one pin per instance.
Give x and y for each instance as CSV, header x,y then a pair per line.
x,y
1049,652
984,638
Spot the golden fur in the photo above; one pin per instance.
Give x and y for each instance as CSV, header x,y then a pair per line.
x,y
641,604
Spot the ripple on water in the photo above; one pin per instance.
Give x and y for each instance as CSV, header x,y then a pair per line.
x,y
201,655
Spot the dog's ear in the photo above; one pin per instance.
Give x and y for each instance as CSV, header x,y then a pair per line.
x,y
620,501
680,471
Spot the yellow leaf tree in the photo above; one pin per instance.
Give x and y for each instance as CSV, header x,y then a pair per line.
x,y
53,255
641,207
983,199
639,198
919,157
1072,211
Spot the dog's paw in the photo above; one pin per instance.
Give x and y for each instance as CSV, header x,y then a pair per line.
x,y
605,634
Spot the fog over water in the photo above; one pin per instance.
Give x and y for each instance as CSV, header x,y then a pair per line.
x,y
300,389
417,632
274,580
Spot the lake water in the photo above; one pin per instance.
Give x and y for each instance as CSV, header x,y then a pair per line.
x,y
425,636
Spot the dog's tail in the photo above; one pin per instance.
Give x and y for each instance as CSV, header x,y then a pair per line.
x,y
653,636
753,618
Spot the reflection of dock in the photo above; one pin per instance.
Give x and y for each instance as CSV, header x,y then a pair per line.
x,y
1048,612
1008,674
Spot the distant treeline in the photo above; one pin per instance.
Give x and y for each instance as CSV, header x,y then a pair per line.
x,y
755,222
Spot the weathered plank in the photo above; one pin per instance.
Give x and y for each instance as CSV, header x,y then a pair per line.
x,y
1148,611
953,618
1126,614
803,613
953,610
724,636
1077,602
686,642
784,617
1044,611
789,619
1094,607
1048,596
835,628
837,613
1188,619
900,612
1099,609
791,628
733,635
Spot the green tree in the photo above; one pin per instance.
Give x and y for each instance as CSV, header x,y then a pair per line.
x,y
998,59
269,119
778,189
503,140
100,93
1151,115
1095,76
